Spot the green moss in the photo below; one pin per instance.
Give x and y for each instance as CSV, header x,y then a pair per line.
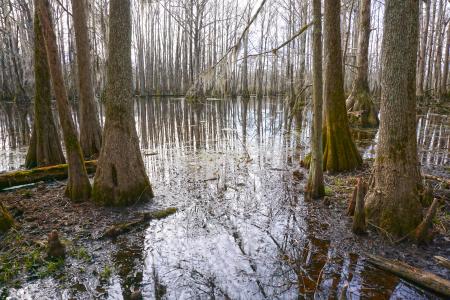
x,y
52,267
328,191
106,273
161,214
80,253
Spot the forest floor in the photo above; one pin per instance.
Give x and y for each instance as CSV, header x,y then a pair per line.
x,y
43,208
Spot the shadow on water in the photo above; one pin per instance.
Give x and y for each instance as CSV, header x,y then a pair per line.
x,y
243,229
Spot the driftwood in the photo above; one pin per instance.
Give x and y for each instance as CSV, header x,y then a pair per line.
x,y
422,233
423,278
443,261
56,172
359,217
121,228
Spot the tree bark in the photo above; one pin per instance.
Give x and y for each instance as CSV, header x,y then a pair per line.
x,y
90,131
45,146
340,152
315,186
78,186
120,178
392,202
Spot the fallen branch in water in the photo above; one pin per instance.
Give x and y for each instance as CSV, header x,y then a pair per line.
x,y
56,172
121,228
423,278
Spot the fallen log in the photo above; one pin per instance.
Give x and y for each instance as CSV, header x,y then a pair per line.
x,y
56,172
118,229
443,261
422,278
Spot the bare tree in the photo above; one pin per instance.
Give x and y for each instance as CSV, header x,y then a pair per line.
x,y
315,185
120,178
90,131
360,99
78,186
340,152
392,202
45,147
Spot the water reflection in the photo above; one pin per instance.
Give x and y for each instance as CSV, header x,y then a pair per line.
x,y
243,230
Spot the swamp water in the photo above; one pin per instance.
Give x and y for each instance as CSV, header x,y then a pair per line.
x,y
243,229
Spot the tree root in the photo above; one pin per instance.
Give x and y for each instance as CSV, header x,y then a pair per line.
x,y
423,232
359,218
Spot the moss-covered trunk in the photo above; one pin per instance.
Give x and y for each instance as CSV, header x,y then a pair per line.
x,y
45,146
120,178
393,199
78,186
340,152
90,131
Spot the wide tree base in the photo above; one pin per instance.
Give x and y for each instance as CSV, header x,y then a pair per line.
x,y
121,179
340,152
106,194
362,110
195,94
395,214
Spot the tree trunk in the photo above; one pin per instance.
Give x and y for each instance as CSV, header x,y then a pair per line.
x,y
360,98
90,131
315,186
392,202
340,153
423,48
45,146
446,62
245,91
78,186
120,178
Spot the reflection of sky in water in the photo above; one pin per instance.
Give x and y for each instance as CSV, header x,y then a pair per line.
x,y
242,230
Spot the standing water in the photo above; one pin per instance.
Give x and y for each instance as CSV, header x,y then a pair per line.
x,y
243,229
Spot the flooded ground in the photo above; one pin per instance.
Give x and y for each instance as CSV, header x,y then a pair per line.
x,y
243,229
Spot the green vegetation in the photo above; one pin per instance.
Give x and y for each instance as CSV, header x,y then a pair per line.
x,y
106,273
